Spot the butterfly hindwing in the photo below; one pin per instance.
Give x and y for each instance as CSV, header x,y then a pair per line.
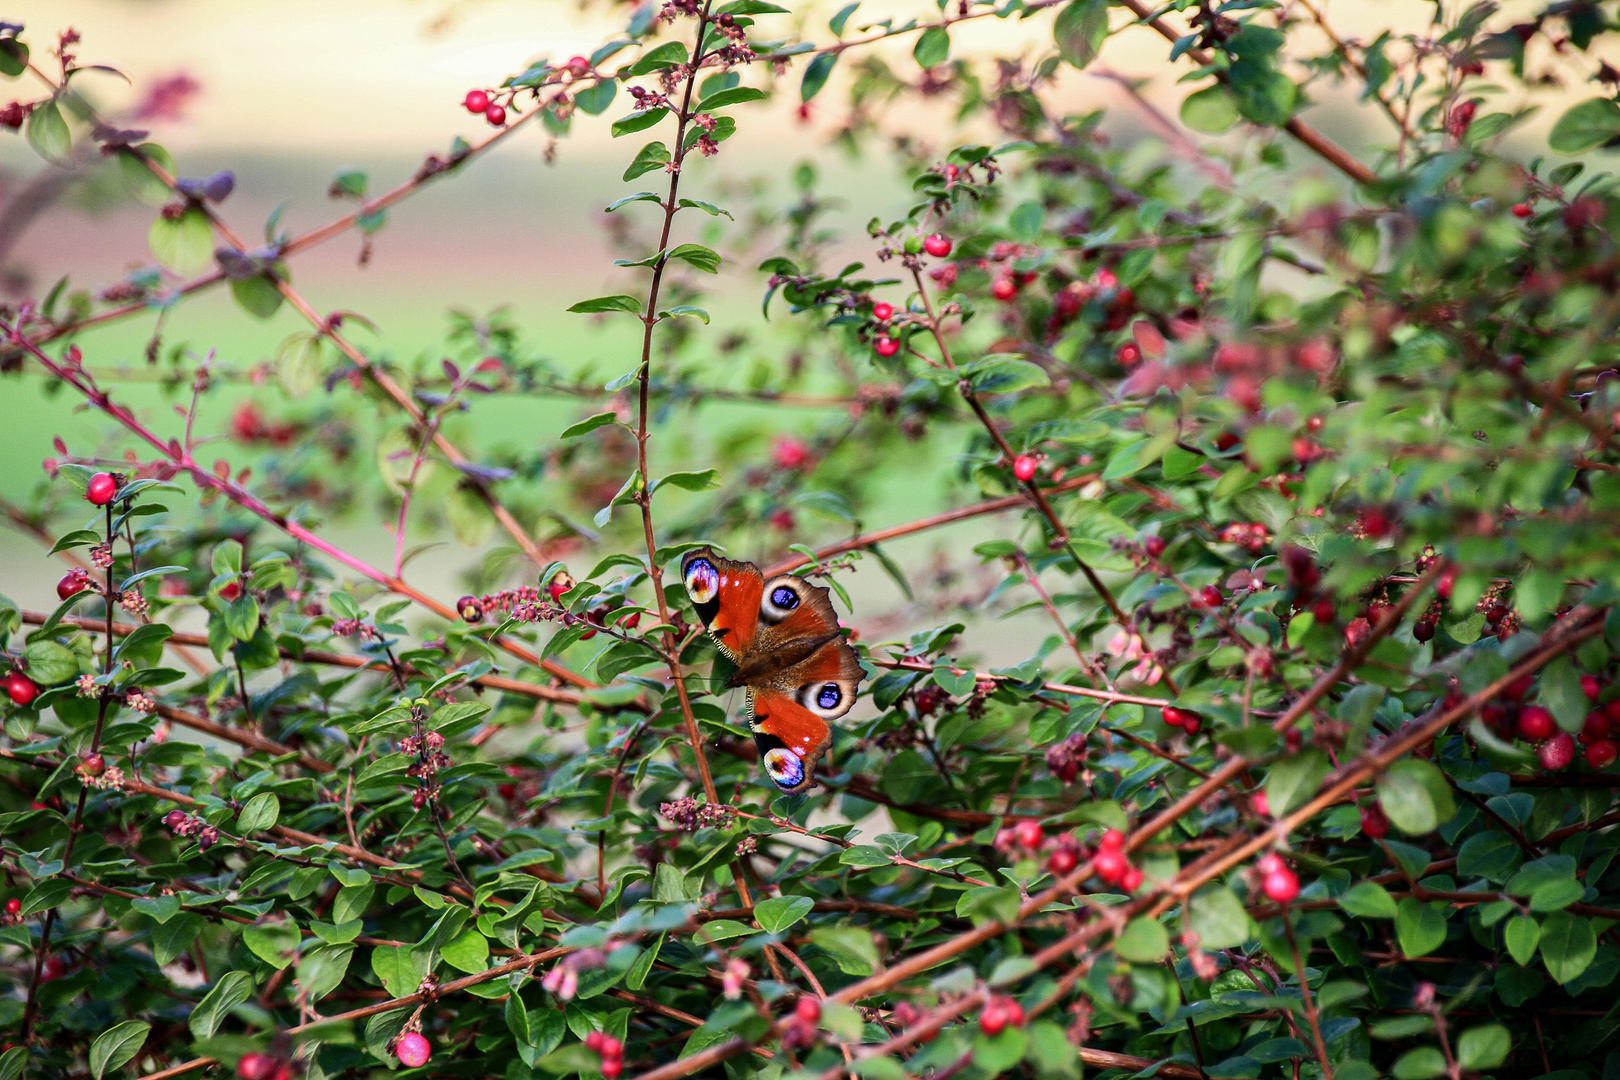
x,y
791,739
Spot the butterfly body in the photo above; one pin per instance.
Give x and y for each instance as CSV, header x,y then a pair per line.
x,y
783,635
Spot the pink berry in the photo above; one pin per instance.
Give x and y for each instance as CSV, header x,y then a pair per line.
x,y
1131,880
1268,862
808,1009
1260,804
1536,723
102,489
1030,833
611,1047
593,1042
475,102
256,1067
413,1050
938,245
1112,840
1024,467
1128,354
496,115
1557,752
882,312
1154,546
578,65
612,1068
993,1020
1281,885
1004,288
886,345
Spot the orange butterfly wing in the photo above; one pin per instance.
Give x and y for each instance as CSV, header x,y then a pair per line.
x,y
791,739
726,596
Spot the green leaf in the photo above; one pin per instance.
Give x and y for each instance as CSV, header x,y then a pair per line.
x,y
608,303
261,813
1080,29
1145,941
815,75
1419,927
1368,900
1218,918
1585,126
299,364
1483,1047
1415,796
933,47
780,912
116,1046
50,663
321,969
468,951
1567,945
1211,110
185,244
1293,780
689,481
594,100
590,423
1424,1063
258,295
48,133
650,157
275,943
162,908
638,121
640,196
736,95
1522,933
699,256
687,310
14,57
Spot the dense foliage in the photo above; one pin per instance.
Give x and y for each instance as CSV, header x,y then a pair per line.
x,y
1303,458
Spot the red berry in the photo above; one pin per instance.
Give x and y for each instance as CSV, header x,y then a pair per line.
x,y
1004,288
71,585
1261,805
102,489
1131,880
1536,723
1597,725
1030,834
593,1041
1423,630
938,245
882,312
578,65
1062,861
470,610
1210,596
1014,1011
1174,717
1375,524
556,590
1226,440
496,115
1128,354
1191,725
1522,210
21,689
413,1050
1591,687
92,765
1112,840
611,1047
631,621
1374,822
256,1067
1154,546
1110,864
612,1068
13,906
1600,755
886,345
1024,467
808,1009
993,1020
1281,885
475,102
1519,687
1269,862
230,590
1557,752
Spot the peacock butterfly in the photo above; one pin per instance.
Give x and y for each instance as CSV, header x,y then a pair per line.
x,y
797,668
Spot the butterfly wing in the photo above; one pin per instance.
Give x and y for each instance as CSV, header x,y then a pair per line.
x,y
726,596
791,739
801,652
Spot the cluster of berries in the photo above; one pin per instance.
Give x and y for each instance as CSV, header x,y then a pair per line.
x,y
478,102
1113,866
183,824
612,1051
801,1032
1181,718
1000,1013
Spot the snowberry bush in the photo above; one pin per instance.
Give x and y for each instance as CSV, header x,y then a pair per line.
x,y
1300,457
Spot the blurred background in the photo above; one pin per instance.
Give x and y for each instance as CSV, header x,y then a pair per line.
x,y
289,93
